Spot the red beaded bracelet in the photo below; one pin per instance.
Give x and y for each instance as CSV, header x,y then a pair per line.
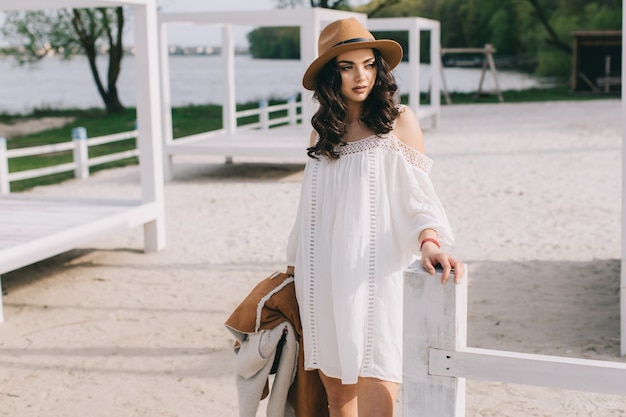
x,y
430,239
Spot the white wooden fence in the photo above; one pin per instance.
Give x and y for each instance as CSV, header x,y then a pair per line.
x,y
437,360
265,110
80,144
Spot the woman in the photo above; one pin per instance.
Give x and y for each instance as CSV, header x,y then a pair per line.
x,y
366,208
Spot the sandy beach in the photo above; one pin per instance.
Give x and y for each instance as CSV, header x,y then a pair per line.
x,y
533,192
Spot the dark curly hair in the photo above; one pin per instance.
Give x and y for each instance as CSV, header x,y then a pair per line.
x,y
378,113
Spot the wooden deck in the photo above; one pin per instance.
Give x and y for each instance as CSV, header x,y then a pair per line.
x,y
290,141
35,228
281,142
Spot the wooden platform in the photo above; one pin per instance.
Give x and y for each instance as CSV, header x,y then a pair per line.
x,y
35,228
282,142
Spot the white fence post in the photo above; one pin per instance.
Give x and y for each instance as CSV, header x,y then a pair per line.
x,y
434,316
292,111
1,302
81,154
5,187
264,114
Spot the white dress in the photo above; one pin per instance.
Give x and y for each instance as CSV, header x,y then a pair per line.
x,y
357,228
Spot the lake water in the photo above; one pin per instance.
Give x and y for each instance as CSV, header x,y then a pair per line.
x,y
54,83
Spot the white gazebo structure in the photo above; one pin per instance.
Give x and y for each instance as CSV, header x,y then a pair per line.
x,y
292,140
33,228
623,262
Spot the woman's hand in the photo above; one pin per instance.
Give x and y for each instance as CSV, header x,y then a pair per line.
x,y
433,256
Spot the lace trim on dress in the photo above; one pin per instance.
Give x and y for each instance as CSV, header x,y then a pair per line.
x,y
312,263
371,273
388,141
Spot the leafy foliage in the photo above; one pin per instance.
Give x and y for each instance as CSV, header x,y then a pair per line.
x,y
275,42
537,31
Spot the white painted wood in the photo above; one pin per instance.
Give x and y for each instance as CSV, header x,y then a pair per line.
x,y
41,172
167,129
292,111
229,118
435,74
64,227
81,153
149,122
414,66
623,262
1,303
309,31
530,369
13,5
278,142
415,25
434,316
99,160
115,137
79,147
38,150
264,115
310,21
266,18
37,228
5,185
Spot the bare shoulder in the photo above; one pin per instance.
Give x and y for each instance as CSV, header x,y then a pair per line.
x,y
313,138
408,130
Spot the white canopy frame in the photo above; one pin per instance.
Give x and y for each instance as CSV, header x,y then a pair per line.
x,y
623,261
36,227
288,141
415,26
285,141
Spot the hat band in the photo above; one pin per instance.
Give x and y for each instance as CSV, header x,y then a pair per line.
x,y
353,40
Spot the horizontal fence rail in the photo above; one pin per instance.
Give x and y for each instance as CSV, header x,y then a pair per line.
x,y
437,360
530,369
80,145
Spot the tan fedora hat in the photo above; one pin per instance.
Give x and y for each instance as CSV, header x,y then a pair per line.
x,y
345,35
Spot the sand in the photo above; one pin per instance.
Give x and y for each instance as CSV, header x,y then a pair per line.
x,y
532,191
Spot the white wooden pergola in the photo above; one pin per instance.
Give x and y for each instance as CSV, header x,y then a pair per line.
x,y
287,141
623,262
33,227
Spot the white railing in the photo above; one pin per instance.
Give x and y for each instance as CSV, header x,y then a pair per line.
x,y
265,110
437,360
80,144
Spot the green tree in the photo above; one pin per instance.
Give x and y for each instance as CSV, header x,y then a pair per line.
x,y
284,42
326,4
558,19
537,30
275,42
66,32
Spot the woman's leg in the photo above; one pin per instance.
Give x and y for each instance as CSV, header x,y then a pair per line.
x,y
342,400
376,397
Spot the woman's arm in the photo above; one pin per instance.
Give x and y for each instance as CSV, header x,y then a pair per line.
x,y
432,256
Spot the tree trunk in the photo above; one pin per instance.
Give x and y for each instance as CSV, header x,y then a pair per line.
x,y
88,40
554,39
116,53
